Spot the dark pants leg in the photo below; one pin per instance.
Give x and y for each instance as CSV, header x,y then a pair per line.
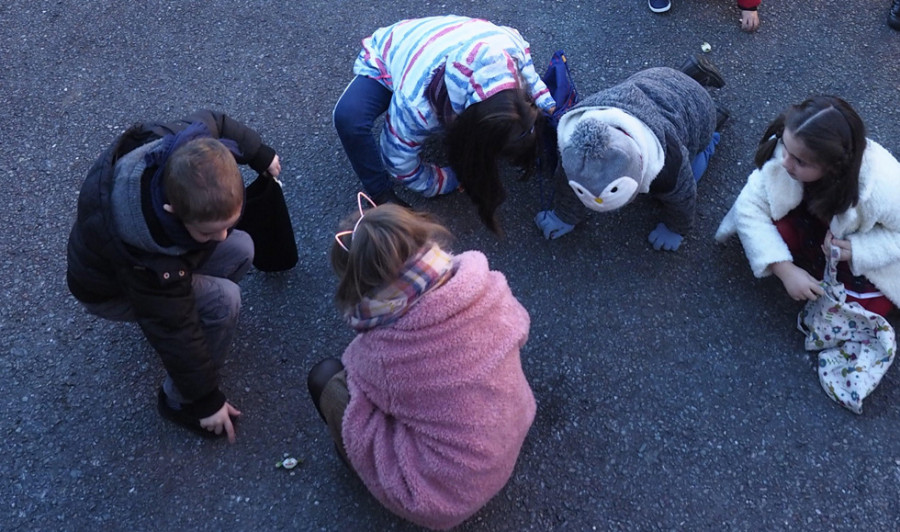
x,y
217,297
318,378
327,384
363,101
701,161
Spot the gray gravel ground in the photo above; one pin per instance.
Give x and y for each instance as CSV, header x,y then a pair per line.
x,y
673,390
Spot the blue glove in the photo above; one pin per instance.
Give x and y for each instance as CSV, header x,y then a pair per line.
x,y
664,238
550,224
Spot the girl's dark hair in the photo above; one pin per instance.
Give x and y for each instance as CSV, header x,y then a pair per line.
x,y
835,133
507,125
385,239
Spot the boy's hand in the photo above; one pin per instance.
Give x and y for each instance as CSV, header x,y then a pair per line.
x,y
275,167
798,283
749,20
221,420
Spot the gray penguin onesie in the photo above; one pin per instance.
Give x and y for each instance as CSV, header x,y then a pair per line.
x,y
637,137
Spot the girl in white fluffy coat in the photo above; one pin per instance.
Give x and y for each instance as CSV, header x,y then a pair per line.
x,y
821,182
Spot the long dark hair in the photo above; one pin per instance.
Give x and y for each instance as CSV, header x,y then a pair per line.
x,y
830,128
506,125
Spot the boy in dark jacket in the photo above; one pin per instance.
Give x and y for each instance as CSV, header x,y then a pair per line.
x,y
154,243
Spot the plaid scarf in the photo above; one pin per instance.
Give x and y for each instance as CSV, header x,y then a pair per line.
x,y
429,269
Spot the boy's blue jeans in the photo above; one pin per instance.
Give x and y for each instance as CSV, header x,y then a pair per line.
x,y
217,296
362,102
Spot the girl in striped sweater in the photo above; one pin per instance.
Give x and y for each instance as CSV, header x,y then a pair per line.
x,y
467,78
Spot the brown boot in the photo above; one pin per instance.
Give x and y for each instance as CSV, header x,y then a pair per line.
x,y
704,71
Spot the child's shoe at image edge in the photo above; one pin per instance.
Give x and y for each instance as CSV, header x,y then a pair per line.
x,y
659,6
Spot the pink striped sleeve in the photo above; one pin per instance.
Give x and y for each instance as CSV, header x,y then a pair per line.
x,y
422,48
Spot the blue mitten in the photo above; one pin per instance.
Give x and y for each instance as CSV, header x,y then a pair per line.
x,y
664,238
550,224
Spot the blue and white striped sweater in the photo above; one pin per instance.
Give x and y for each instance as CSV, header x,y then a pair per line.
x,y
481,59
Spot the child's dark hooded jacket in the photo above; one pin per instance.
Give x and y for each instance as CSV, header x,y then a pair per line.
x,y
119,249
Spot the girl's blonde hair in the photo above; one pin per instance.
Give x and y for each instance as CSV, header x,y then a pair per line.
x,y
385,239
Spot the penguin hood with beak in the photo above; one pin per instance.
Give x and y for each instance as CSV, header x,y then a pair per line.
x,y
608,155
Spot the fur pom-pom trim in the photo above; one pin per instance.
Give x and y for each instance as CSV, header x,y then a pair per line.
x,y
591,138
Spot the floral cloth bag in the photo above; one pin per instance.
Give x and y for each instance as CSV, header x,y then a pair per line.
x,y
856,346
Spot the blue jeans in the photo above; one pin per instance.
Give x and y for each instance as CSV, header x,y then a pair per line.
x,y
700,162
363,101
217,296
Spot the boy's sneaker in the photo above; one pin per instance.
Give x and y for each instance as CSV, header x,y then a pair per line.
x,y
181,417
659,6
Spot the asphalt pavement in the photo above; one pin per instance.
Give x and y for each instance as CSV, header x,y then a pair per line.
x,y
673,389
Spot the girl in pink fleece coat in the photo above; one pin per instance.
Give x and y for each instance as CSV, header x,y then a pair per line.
x,y
429,404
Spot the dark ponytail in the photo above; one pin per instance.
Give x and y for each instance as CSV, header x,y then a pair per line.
x,y
506,125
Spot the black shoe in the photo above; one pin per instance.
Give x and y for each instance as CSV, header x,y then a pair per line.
x,y
181,417
703,71
722,115
389,196
894,15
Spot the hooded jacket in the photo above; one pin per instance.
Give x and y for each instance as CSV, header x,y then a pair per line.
x,y
669,117
117,249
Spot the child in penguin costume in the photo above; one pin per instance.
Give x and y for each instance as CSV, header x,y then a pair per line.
x,y
651,134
